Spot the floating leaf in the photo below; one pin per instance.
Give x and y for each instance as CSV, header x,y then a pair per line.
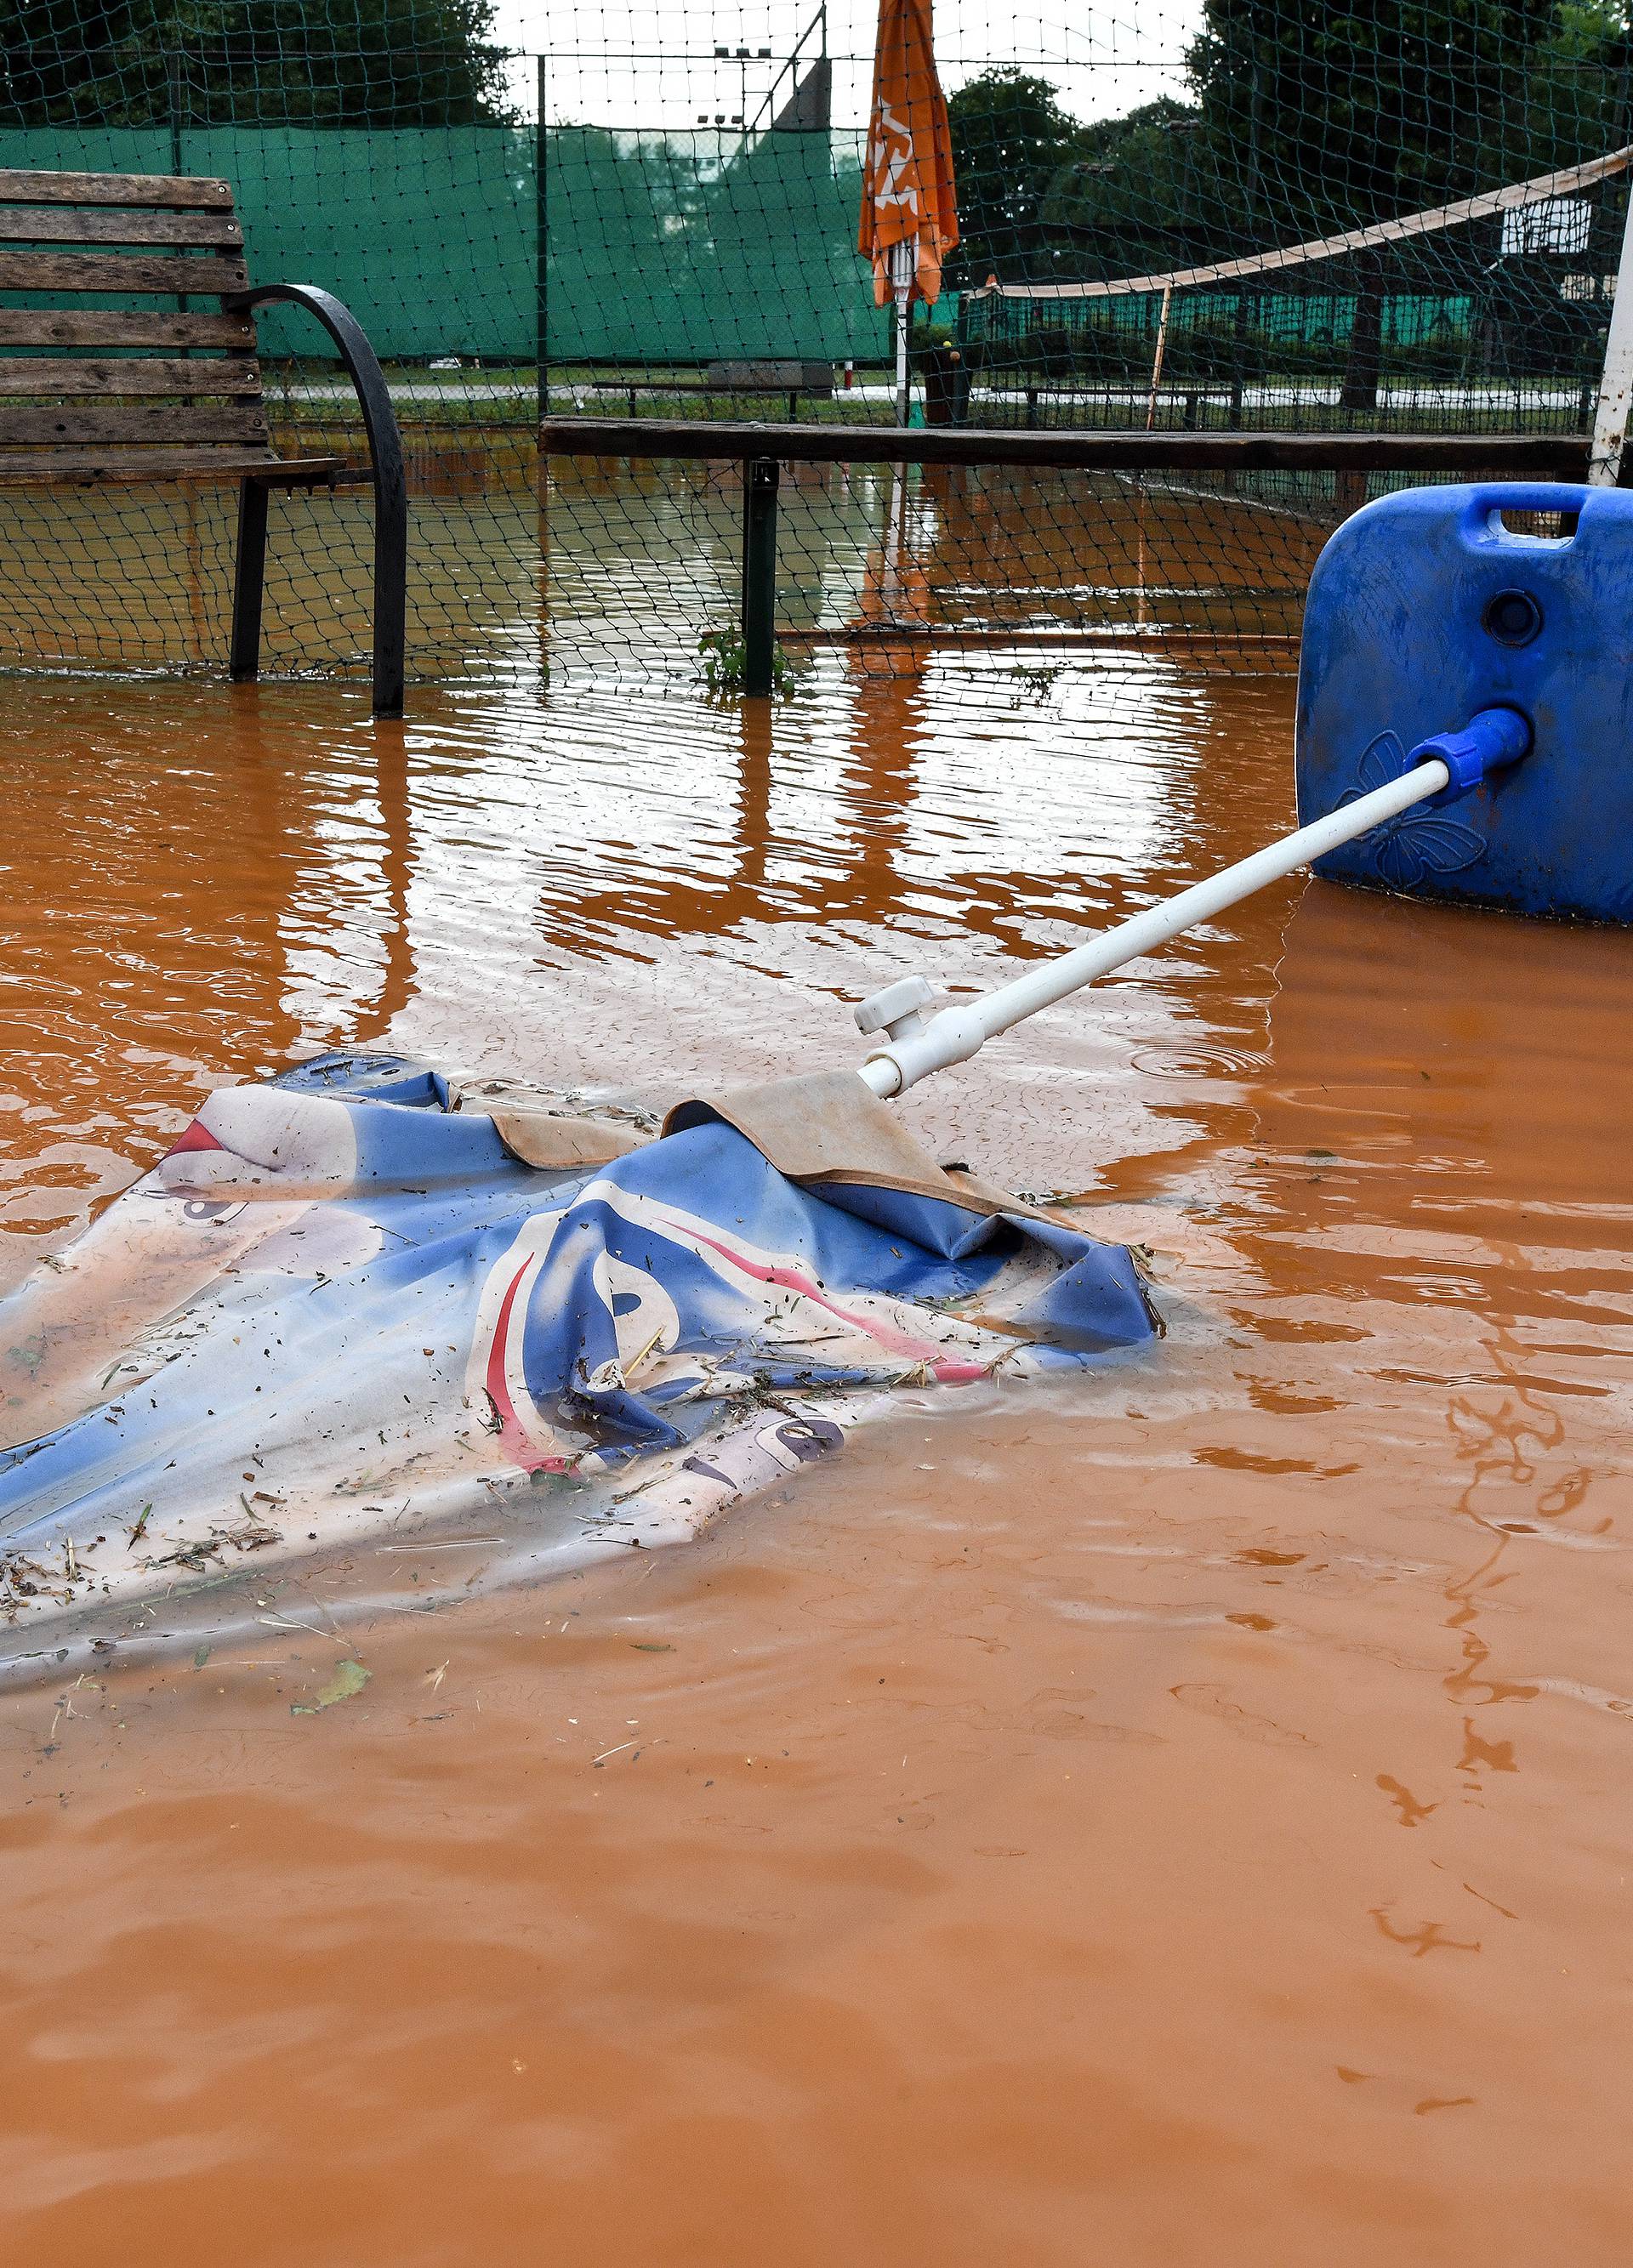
x,y
349,1678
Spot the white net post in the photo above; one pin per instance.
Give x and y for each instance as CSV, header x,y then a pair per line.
x,y
1615,384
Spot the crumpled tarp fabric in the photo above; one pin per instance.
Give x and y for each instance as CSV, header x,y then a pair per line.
x,y
341,1302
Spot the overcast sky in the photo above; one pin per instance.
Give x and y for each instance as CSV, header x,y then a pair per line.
x,y
655,65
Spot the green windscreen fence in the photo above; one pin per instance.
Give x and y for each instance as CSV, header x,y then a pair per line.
x,y
682,247
695,247
1211,214
366,215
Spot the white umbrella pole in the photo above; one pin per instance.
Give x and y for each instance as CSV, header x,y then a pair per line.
x,y
904,267
921,1043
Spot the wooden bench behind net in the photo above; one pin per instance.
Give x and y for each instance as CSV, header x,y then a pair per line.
x,y
165,390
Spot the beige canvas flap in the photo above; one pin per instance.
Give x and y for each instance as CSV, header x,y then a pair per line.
x,y
827,1126
543,1138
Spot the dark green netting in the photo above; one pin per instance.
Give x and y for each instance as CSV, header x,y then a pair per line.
x,y
660,220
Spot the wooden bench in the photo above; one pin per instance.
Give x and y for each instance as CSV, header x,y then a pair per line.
x,y
724,380
93,396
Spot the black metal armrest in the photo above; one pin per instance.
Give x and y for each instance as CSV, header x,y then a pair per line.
x,y
384,450
368,380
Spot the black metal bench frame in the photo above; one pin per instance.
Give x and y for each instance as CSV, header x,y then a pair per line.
x,y
391,479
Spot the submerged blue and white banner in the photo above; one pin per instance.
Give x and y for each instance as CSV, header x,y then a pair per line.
x,y
349,1302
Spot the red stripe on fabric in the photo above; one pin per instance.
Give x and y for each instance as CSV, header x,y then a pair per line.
x,y
197,1137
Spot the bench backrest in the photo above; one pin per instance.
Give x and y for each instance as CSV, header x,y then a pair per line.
x,y
182,379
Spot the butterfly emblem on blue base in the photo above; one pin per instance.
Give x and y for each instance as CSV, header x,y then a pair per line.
x,y
1406,852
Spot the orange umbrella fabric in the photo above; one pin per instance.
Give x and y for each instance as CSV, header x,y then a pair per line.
x,y
907,177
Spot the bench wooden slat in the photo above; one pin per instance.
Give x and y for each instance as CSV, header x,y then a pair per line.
x,y
63,225
112,326
65,428
19,186
57,375
117,272
90,468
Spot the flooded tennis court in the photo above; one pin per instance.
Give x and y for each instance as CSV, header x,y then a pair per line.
x,y
585,568
1170,1814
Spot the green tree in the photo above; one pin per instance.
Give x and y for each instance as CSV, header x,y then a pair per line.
x,y
1041,195
1326,118
1132,198
1579,85
1010,138
354,62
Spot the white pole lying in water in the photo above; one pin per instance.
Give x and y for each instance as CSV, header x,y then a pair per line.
x,y
919,1044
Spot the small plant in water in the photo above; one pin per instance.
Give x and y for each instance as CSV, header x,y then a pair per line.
x,y
726,660
1037,681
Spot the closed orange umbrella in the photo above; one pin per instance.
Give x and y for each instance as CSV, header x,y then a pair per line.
x,y
909,215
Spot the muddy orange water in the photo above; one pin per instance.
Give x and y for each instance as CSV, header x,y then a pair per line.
x,y
1178,1816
